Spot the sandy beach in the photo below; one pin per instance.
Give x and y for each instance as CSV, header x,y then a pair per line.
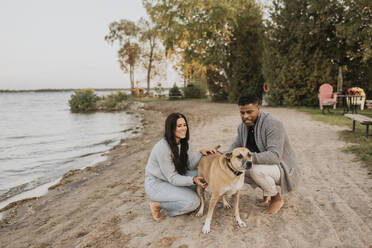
x,y
106,206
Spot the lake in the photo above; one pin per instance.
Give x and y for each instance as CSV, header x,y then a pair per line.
x,y
40,140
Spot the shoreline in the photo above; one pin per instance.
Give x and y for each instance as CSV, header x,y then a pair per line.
x,y
14,201
106,206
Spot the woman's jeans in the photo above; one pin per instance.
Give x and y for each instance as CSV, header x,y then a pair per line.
x,y
176,200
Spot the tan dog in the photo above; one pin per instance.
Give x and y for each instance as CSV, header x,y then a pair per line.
x,y
224,174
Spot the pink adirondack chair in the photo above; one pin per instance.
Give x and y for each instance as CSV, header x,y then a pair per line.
x,y
326,96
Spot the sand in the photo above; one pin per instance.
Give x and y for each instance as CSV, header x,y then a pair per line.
x,y
106,206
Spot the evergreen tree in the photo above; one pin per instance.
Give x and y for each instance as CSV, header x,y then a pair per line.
x,y
356,31
245,56
295,63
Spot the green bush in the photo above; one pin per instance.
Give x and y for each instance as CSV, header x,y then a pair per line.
x,y
112,100
175,93
121,96
194,90
83,100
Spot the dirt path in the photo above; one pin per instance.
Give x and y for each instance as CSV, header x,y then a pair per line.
x,y
105,206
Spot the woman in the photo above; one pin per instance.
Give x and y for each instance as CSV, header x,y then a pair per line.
x,y
171,173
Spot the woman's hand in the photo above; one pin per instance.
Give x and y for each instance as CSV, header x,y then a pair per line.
x,y
200,181
206,152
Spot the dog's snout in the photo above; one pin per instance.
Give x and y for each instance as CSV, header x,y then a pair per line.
x,y
248,164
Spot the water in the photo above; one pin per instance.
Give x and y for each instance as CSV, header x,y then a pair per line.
x,y
40,139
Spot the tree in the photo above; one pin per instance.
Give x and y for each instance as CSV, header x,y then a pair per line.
x,y
152,55
209,37
129,55
287,59
139,43
245,55
356,31
126,33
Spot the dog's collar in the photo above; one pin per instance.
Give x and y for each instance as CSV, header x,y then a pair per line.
x,y
236,173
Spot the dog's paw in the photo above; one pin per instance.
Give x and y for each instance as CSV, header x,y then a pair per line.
x,y
226,205
199,214
206,229
241,223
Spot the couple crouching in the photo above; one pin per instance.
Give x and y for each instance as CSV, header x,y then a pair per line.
x,y
171,171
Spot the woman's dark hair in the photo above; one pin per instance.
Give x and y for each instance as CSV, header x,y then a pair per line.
x,y
179,158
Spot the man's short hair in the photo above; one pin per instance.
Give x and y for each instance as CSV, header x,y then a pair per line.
x,y
247,99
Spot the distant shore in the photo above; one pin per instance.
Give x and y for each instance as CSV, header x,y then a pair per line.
x,y
64,90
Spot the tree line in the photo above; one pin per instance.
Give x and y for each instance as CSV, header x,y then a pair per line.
x,y
309,42
228,46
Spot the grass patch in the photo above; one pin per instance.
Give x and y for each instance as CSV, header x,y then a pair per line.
x,y
360,145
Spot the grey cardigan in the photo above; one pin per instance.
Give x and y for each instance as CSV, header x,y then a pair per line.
x,y
160,165
273,143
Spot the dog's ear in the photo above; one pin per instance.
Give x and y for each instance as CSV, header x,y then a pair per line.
x,y
228,155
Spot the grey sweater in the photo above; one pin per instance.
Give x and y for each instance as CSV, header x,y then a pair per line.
x,y
160,165
273,143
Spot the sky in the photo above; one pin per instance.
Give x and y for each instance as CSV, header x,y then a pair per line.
x,y
58,44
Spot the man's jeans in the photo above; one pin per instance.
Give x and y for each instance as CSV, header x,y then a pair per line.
x,y
267,177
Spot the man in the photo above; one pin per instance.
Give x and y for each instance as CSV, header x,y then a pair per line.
x,y
274,166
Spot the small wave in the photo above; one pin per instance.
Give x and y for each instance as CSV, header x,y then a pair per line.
x,y
74,148
90,154
11,158
13,191
24,187
37,191
68,161
105,142
24,136
13,171
106,133
30,143
128,130
18,137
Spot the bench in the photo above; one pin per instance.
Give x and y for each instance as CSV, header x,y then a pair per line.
x,y
364,120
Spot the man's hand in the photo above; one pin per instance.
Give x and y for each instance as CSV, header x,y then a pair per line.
x,y
200,181
206,152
